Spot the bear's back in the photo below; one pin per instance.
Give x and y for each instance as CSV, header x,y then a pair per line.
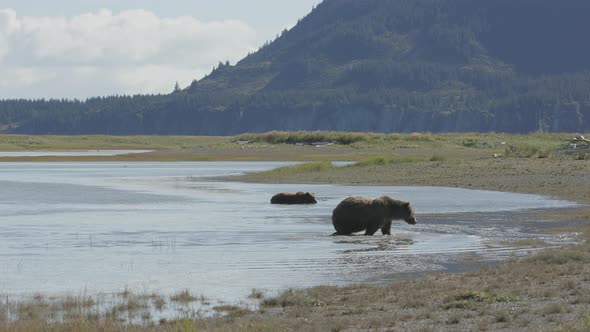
x,y
352,207
294,198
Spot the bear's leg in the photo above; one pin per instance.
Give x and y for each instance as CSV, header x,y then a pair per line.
x,y
386,229
371,228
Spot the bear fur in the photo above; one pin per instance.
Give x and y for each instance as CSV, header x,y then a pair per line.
x,y
356,214
294,198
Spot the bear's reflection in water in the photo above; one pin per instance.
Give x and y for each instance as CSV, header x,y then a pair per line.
x,y
382,244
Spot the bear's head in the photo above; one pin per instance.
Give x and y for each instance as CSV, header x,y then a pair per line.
x,y
408,213
310,197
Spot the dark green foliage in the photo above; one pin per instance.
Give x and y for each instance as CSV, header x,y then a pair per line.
x,y
371,65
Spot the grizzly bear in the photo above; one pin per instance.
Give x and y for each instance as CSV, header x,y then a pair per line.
x,y
356,214
294,198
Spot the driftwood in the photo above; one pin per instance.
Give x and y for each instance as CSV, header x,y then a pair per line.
x,y
580,139
577,144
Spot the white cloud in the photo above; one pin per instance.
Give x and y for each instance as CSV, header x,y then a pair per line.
x,y
103,53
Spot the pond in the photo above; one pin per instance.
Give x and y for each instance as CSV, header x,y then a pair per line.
x,y
164,227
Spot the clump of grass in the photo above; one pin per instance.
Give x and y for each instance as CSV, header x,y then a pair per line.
x,y
300,168
232,310
469,299
553,309
131,305
70,303
256,294
413,303
31,311
292,298
183,297
375,161
569,285
585,322
528,151
478,143
387,160
453,320
125,293
502,316
437,157
558,257
464,300
159,302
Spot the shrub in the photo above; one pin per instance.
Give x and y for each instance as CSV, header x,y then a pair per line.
x,y
437,157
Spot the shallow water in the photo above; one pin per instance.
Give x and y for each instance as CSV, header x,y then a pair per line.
x,y
163,227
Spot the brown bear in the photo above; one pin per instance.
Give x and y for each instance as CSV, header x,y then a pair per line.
x,y
294,198
356,214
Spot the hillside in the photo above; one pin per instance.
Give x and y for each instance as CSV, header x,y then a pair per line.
x,y
372,65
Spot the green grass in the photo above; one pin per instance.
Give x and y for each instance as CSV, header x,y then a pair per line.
x,y
437,157
489,141
294,137
559,257
344,138
528,151
387,160
285,146
300,168
183,297
91,142
326,165
498,142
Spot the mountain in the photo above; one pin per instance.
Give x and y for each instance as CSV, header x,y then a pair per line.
x,y
370,65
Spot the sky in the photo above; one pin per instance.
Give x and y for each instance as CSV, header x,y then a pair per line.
x,y
85,48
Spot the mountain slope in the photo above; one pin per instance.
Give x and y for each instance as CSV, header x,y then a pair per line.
x,y
375,65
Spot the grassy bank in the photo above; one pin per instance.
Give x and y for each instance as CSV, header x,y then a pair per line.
x,y
90,142
295,146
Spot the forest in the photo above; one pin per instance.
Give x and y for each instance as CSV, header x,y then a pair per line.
x,y
513,66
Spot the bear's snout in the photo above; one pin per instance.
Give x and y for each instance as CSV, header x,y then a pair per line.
x,y
411,221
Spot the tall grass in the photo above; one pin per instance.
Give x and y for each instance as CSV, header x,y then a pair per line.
x,y
124,311
344,138
326,165
528,151
294,137
388,160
